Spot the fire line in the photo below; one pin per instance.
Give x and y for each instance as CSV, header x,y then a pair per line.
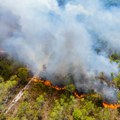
x,y
49,84
112,106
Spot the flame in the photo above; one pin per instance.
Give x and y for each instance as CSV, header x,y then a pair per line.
x,y
112,106
79,96
49,84
58,88
35,79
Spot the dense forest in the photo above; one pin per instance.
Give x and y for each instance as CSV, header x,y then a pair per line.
x,y
42,102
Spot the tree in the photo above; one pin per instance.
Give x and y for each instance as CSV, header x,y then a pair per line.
x,y
14,78
1,79
70,88
40,100
2,116
77,114
23,75
116,80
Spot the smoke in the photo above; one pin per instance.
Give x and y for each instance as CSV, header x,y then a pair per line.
x,y
64,36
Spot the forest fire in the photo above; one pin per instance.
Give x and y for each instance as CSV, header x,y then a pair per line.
x,y
49,84
112,106
58,88
79,96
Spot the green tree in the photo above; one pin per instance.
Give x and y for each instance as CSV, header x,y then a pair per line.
x,y
77,114
116,80
1,79
40,100
70,88
14,78
23,75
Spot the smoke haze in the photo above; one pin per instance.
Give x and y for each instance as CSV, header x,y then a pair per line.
x,y
64,36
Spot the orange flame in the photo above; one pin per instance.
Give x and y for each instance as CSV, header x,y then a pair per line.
x,y
49,84
58,88
112,106
79,96
35,79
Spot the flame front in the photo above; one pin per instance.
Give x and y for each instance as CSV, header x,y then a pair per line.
x,y
79,96
58,88
49,84
112,106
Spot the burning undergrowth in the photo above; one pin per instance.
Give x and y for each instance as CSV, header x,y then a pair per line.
x,y
107,102
101,85
73,39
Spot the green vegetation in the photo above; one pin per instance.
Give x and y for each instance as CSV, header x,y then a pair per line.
x,y
42,102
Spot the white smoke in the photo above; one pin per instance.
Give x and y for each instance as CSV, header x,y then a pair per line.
x,y
62,38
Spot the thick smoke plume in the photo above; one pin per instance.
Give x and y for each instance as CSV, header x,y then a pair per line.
x,y
65,36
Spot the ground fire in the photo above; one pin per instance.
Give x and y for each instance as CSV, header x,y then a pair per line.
x,y
48,83
76,94
112,106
